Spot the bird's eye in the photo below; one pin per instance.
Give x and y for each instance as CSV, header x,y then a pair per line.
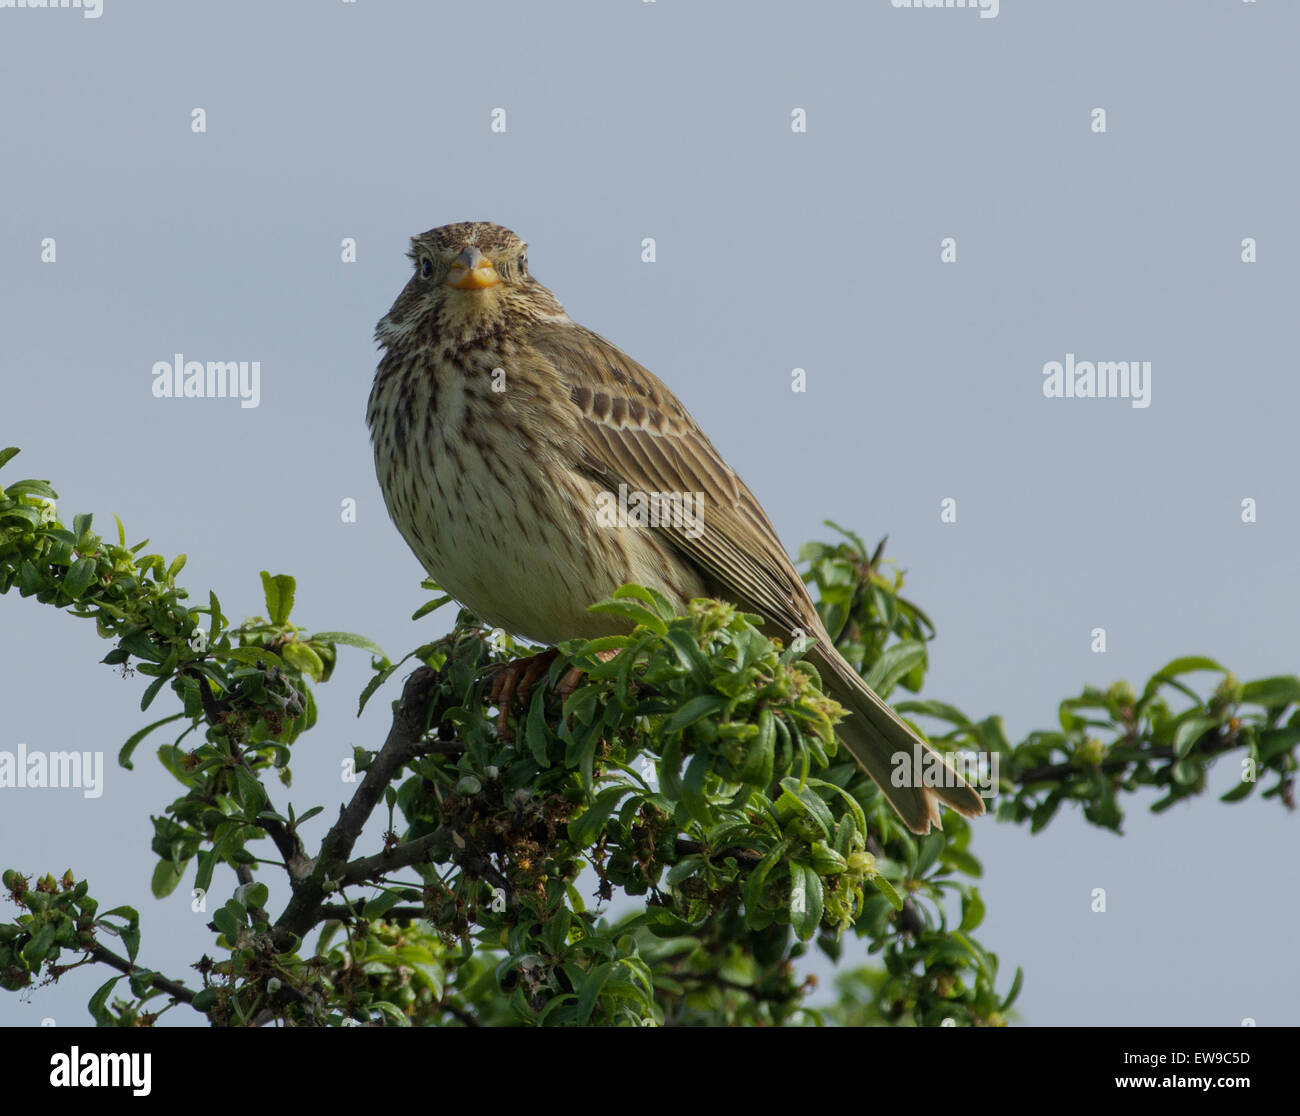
x,y
426,268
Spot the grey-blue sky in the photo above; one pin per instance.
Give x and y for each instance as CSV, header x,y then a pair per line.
x,y
775,251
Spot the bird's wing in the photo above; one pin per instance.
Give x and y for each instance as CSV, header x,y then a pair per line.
x,y
632,430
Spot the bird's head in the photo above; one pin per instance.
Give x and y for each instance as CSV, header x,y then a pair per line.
x,y
468,278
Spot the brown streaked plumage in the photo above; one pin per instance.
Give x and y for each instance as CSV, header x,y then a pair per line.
x,y
499,422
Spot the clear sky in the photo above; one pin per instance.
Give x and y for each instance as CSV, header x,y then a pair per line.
x,y
775,250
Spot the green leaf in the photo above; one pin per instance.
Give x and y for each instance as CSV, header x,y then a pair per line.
x,y
229,921
696,709
124,756
306,660
131,939
632,611
39,945
1273,742
697,772
1186,665
380,905
761,754
807,900
205,999
252,895
1015,990
972,911
352,640
535,729
166,876
928,854
279,592
810,802
429,606
893,663
80,574
753,889
37,488
590,991
251,792
886,889
8,454
942,710
1189,731
141,981
586,827
1272,692
1242,790
657,602
151,691
99,1001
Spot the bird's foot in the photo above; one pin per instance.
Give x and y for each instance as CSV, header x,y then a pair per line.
x,y
516,680
570,678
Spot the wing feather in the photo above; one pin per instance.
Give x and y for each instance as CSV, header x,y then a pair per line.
x,y
632,430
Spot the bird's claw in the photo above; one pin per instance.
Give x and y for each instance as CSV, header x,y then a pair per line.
x,y
516,680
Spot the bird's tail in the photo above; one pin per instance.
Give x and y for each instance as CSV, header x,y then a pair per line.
x,y
891,752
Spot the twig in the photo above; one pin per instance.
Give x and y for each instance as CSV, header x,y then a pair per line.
x,y
173,988
410,718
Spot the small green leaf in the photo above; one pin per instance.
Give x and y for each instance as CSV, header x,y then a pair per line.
x,y
39,945
1272,692
99,1001
590,991
37,488
352,640
886,889
893,663
633,611
972,911
151,691
165,878
429,606
379,905
535,730
1015,990
204,999
807,899
124,756
252,895
696,709
1189,731
279,592
80,574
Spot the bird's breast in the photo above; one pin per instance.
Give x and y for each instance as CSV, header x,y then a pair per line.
x,y
477,470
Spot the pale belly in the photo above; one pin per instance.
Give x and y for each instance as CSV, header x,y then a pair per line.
x,y
522,552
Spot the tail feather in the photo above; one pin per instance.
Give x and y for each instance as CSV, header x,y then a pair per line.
x,y
879,738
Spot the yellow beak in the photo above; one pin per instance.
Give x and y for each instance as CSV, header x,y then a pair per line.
x,y
472,271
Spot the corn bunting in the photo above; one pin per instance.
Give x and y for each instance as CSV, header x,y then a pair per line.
x,y
502,431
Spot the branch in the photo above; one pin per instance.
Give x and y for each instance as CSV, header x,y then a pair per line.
x,y
1056,771
410,719
172,988
411,852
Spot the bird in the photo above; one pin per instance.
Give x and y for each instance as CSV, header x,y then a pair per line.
x,y
501,427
